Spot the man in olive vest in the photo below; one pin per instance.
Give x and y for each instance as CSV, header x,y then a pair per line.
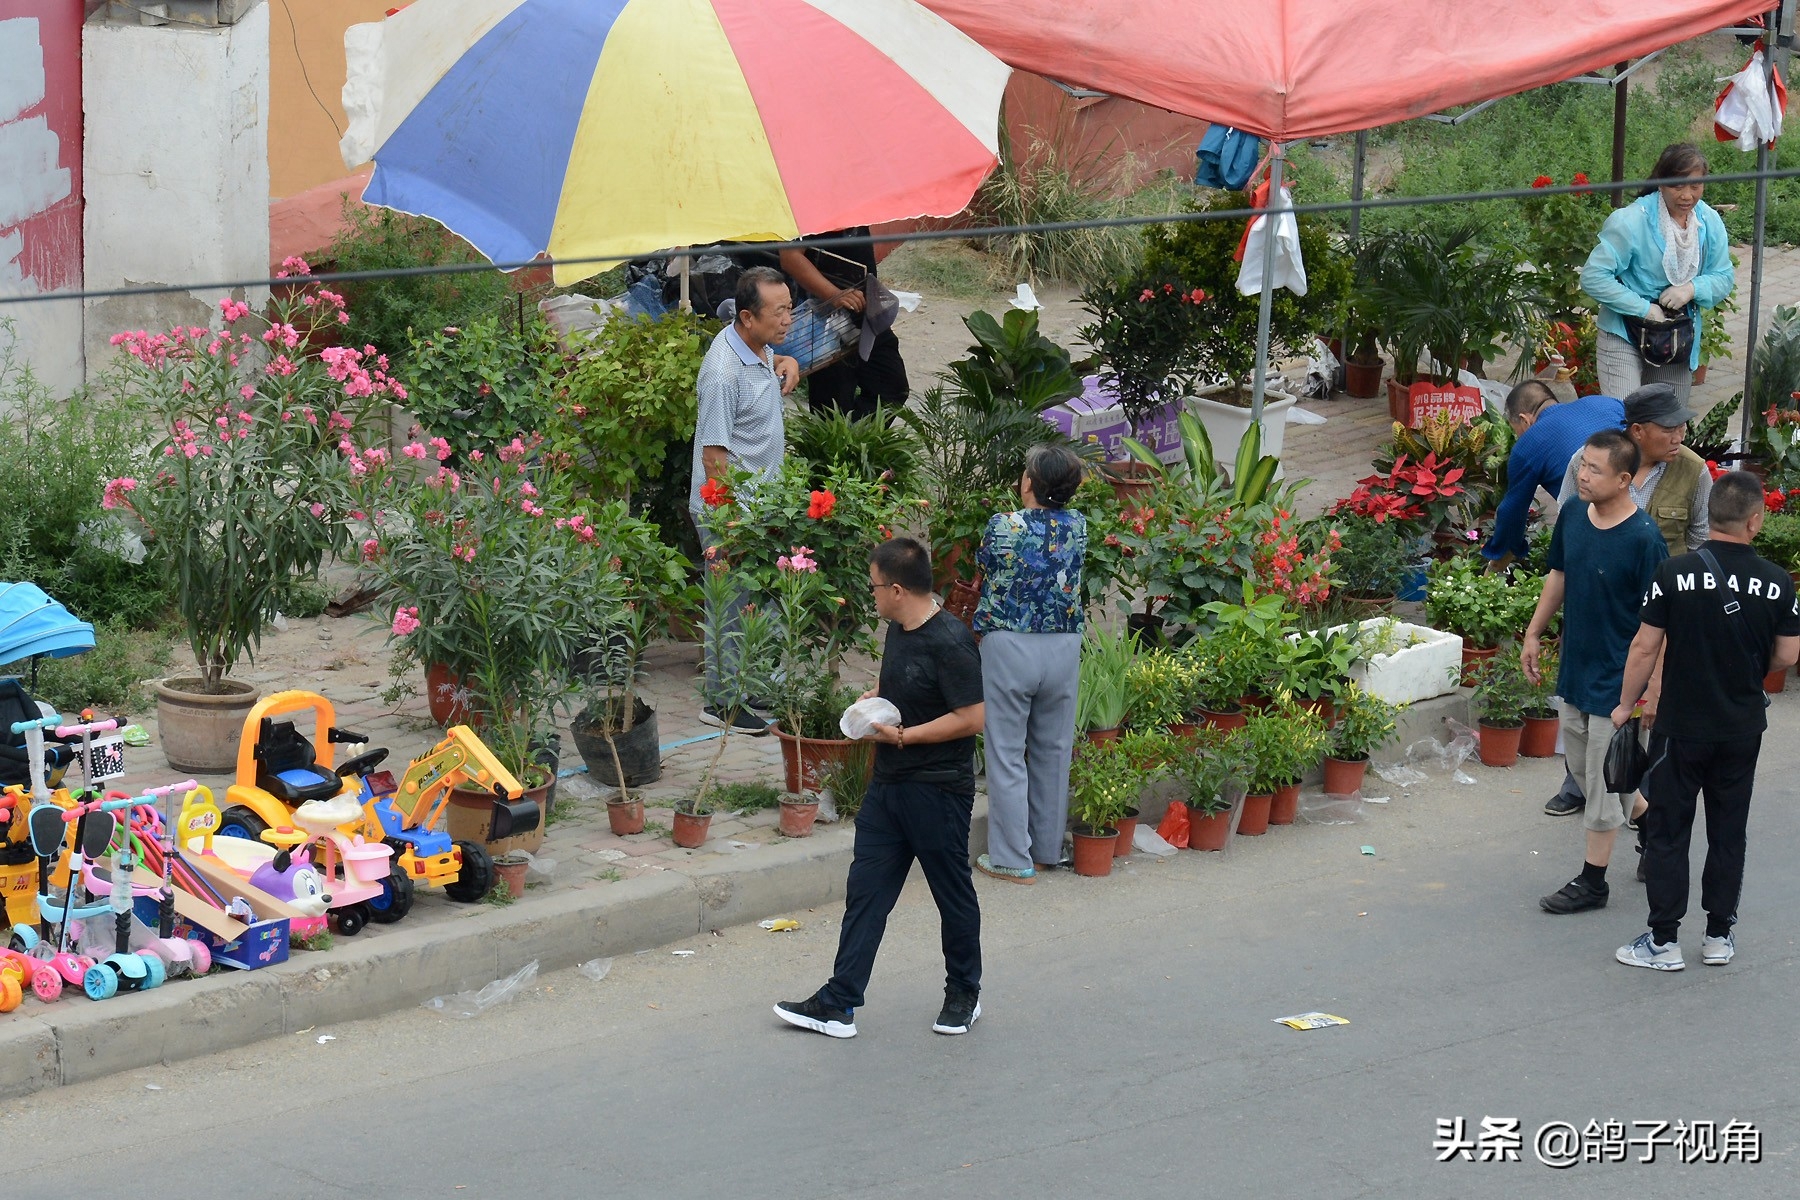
x,y
1672,485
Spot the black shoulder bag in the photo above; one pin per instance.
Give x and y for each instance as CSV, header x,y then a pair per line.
x,y
1662,343
1735,618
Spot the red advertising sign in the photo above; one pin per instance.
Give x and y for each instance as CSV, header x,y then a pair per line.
x,y
1428,399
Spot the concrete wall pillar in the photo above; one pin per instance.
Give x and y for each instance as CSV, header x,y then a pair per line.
x,y
176,166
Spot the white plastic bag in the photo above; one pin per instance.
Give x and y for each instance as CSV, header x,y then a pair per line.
x,y
1290,271
860,719
1746,109
464,1005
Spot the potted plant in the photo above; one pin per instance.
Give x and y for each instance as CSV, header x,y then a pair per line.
x,y
1212,778
1238,653
478,386
1265,766
1779,541
1542,724
1290,749
1103,781
736,632
246,490
1148,336
1365,722
493,577
1371,562
1313,666
1478,605
806,696
1160,688
1102,696
1151,752
1500,698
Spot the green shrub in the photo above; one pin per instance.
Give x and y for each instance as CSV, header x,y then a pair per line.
x,y
384,311
109,678
484,383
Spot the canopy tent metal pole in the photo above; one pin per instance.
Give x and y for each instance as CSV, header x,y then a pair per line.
x,y
1270,215
1764,160
1621,92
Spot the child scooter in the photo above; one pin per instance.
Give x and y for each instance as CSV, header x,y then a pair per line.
x,y
181,956
120,971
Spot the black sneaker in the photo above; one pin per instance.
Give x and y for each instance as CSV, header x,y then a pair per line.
x,y
961,1010
742,721
1564,805
1575,896
811,1014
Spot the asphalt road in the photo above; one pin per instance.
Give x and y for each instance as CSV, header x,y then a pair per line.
x,y
1127,1048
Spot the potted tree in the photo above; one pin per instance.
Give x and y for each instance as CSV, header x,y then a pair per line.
x,y
1542,724
1103,781
1365,722
1499,700
246,490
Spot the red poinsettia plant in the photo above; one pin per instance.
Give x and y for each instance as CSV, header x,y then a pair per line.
x,y
1422,493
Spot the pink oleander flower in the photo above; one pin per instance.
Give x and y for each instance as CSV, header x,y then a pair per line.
x,y
371,549
316,509
413,450
405,621
116,491
442,447
232,310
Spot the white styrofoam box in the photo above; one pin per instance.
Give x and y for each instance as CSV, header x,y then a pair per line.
x,y
1431,667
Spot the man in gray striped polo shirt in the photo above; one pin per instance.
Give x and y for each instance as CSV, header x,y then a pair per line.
x,y
740,422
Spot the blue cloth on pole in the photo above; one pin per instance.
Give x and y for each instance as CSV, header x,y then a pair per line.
x,y
1227,157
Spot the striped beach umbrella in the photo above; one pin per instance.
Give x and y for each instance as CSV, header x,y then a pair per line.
x,y
580,128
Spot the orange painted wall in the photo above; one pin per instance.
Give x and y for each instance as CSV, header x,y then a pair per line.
x,y
306,79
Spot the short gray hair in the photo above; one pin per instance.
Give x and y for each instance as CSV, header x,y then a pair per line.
x,y
750,286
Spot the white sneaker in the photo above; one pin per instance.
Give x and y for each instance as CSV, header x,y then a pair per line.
x,y
1646,952
1717,951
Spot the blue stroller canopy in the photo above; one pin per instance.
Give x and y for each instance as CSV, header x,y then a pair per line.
x,y
31,623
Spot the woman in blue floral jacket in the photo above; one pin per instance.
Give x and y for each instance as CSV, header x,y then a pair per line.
x,y
1029,617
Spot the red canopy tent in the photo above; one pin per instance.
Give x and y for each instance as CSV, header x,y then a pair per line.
x,y
1294,69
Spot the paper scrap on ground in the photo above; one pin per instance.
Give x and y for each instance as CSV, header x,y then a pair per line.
x,y
1369,850
780,924
326,1037
1310,1020
682,953
908,300
1026,300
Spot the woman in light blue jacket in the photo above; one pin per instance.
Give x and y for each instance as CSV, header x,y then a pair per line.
x,y
1663,257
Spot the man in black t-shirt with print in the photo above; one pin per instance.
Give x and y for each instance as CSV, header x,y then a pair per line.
x,y
919,801
1721,618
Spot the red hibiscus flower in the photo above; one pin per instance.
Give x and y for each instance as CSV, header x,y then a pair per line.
x,y
821,506
715,494
1543,181
1580,179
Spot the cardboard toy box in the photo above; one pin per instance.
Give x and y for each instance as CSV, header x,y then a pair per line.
x,y
1096,415
260,943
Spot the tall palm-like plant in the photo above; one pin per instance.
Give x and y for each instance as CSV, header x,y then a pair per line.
x,y
1448,295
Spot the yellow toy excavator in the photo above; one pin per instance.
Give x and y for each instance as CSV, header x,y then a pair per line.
x,y
407,815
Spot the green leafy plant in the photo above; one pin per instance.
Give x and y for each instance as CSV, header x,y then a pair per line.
x,y
626,401
1563,229
865,447
250,489
1538,696
1102,697
1285,741
1203,255
1241,648
1364,723
1252,475
482,384
1779,541
1481,607
1502,693
1161,687
1314,663
741,637
1451,296
1109,568
110,677
1373,558
1103,783
1148,335
847,779
745,796
1012,362
1213,775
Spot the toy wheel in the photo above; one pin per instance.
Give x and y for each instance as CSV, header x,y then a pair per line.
x,y
46,985
477,877
201,956
157,973
22,938
11,996
395,901
240,822
101,982
352,918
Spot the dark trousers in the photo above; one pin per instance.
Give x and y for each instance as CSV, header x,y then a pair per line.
x,y
1680,770
855,387
898,823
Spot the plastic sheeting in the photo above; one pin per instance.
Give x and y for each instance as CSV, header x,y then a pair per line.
x,y
1294,69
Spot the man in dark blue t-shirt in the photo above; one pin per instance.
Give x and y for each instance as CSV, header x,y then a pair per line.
x,y
920,799
1603,553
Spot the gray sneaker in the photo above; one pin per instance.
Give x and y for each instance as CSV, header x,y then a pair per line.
x,y
1717,951
1645,952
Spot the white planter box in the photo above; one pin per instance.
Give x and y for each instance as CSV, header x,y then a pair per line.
x,y
1431,667
1227,423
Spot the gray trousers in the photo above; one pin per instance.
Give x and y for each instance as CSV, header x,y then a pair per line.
x,y
1623,371
1028,684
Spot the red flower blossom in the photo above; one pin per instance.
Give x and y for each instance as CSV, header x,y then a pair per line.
x,y
1543,181
821,506
1774,500
1580,179
715,494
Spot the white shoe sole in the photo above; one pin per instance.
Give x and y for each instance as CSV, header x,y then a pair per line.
x,y
955,1029
1625,956
1717,960
836,1029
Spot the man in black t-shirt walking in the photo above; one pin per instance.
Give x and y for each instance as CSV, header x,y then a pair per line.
x,y
1722,618
919,800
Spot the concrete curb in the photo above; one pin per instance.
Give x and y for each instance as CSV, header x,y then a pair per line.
x,y
75,1039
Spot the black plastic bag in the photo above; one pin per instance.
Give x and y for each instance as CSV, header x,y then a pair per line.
x,y
1625,759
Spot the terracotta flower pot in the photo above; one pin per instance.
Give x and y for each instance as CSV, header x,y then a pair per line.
x,y
1363,379
802,757
625,816
471,810
1775,681
1255,820
1344,776
1208,831
1370,604
1223,720
964,596
1132,483
1472,658
1100,737
1500,744
1284,805
797,817
445,695
1539,737
509,870
200,730
690,830
1094,852
1127,830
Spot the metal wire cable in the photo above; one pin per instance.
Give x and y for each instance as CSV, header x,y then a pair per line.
x,y
923,235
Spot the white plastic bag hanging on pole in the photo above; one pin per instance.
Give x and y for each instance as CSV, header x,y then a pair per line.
x,y
1749,110
1288,270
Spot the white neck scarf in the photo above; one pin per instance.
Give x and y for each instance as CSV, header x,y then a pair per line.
x,y
1681,247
